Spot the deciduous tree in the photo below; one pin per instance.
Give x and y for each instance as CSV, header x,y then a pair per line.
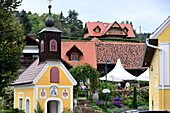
x,y
82,72
24,20
11,42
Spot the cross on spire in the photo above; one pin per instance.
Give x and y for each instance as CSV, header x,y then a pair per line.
x,y
49,22
49,1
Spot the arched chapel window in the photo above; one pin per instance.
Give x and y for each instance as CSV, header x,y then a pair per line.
x,y
27,106
42,45
53,45
54,75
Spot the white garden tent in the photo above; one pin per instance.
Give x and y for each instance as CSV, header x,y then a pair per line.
x,y
144,76
111,78
118,74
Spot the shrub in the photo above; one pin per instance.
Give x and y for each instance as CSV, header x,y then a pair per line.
x,y
109,110
100,104
140,102
100,109
117,102
125,102
144,93
8,97
141,108
95,107
134,102
90,97
112,87
13,110
94,103
109,104
130,104
39,109
118,110
81,92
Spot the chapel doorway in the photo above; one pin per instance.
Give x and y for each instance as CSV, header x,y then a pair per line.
x,y
53,106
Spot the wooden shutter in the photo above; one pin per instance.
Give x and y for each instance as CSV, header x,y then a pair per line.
x,y
54,75
53,45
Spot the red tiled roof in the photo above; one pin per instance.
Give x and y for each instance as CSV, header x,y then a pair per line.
x,y
96,40
130,33
130,54
91,25
87,48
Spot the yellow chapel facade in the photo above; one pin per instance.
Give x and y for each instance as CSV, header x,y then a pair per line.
x,y
45,92
46,81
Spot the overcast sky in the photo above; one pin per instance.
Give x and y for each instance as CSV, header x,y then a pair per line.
x,y
148,14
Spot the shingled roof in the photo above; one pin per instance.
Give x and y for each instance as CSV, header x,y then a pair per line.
x,y
130,54
26,77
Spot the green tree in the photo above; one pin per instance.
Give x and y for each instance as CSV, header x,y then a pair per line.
x,y
11,43
62,19
134,102
8,97
24,20
74,24
82,72
37,23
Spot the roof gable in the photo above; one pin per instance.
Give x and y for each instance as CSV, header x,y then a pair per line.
x,y
160,29
74,47
114,25
31,39
65,77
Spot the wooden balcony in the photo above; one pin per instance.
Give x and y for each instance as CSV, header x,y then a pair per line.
x,y
114,33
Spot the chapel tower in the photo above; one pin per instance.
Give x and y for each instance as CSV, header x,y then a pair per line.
x,y
50,41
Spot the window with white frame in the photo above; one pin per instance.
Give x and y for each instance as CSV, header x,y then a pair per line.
x,y
157,63
155,86
20,103
27,105
151,69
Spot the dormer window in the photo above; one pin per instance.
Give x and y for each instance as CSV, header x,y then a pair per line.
x,y
74,57
114,30
53,45
105,25
74,54
97,29
125,29
42,45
